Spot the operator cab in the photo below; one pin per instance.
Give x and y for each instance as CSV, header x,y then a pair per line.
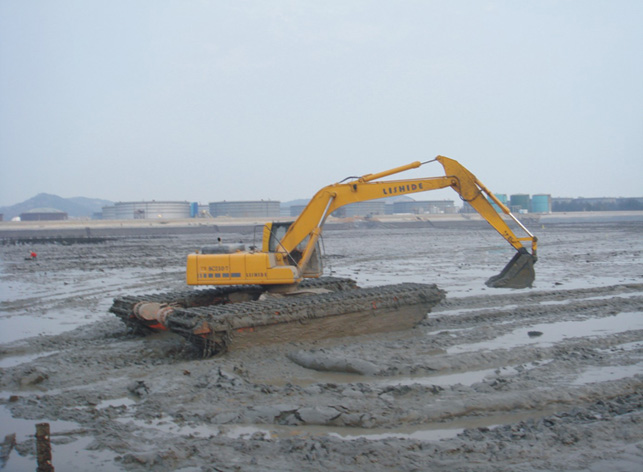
x,y
275,232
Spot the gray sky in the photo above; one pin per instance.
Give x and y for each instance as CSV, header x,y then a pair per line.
x,y
213,100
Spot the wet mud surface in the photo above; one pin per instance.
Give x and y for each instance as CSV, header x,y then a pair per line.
x,y
547,378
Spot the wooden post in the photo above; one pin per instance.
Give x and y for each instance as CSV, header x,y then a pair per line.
x,y
43,448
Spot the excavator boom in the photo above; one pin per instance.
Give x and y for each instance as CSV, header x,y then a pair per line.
x,y
518,273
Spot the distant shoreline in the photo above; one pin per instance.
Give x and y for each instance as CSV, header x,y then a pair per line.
x,y
124,228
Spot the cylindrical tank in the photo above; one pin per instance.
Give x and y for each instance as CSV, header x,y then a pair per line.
x,y
151,210
541,203
503,199
519,202
194,209
241,209
109,213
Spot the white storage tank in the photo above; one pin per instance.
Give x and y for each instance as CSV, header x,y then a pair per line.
x,y
151,210
109,213
245,209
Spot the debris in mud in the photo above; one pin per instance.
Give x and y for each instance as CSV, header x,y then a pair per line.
x,y
33,377
138,388
43,448
319,360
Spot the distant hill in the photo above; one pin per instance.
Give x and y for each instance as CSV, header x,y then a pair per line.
x,y
75,207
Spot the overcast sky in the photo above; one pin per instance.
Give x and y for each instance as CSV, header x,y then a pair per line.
x,y
240,100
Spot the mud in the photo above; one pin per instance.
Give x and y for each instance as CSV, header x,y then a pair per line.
x,y
471,388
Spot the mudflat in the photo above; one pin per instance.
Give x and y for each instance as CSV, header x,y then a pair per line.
x,y
547,378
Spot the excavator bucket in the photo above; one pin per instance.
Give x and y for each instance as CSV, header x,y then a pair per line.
x,y
519,273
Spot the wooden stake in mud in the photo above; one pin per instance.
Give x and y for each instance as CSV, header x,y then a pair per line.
x,y
43,448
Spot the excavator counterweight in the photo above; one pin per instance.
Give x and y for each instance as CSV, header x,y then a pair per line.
x,y
275,293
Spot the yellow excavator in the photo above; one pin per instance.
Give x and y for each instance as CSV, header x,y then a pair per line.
x,y
276,293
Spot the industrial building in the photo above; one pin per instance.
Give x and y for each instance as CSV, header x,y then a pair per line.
x,y
382,207
518,203
426,206
246,209
147,210
376,207
43,214
108,213
597,204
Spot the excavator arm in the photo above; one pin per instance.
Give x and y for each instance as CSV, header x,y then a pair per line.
x,y
517,274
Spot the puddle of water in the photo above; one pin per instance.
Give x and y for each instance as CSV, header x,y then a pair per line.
x,y
464,378
28,308
277,431
461,311
608,374
633,346
425,432
116,402
601,297
12,361
438,431
20,327
246,432
102,385
419,435
72,456
556,332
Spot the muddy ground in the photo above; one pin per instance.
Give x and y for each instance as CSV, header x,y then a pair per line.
x,y
548,378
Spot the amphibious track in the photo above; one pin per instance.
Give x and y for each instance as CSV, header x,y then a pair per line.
x,y
220,319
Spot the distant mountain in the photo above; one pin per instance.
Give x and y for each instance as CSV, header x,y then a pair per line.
x,y
75,207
